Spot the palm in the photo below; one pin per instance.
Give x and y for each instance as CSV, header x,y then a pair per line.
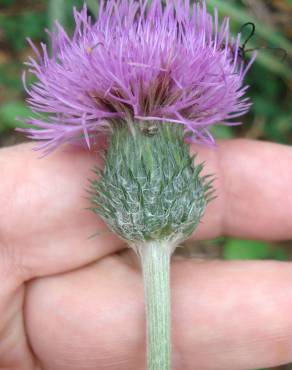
x,y
83,306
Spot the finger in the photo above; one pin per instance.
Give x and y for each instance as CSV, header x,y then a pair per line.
x,y
43,202
15,352
44,223
226,316
253,187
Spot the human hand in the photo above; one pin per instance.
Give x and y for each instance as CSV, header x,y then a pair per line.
x,y
71,302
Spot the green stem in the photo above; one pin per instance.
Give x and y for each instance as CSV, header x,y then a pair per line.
x,y
155,260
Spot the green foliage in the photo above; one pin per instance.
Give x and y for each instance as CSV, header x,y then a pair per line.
x,y
10,111
6,3
222,132
236,11
236,249
20,26
270,77
61,11
93,6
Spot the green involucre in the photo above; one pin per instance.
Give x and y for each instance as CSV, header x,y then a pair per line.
x,y
150,188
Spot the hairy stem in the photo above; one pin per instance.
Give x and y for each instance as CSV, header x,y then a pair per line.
x,y
155,260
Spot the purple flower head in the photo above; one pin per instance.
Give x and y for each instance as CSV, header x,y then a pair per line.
x,y
137,63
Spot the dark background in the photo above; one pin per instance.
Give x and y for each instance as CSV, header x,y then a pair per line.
x,y
270,80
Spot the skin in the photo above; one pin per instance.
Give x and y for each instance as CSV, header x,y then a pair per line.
x,y
71,302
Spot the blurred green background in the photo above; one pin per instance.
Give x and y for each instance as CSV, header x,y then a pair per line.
x,y
270,80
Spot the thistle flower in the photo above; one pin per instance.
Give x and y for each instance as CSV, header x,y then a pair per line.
x,y
151,75
140,63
